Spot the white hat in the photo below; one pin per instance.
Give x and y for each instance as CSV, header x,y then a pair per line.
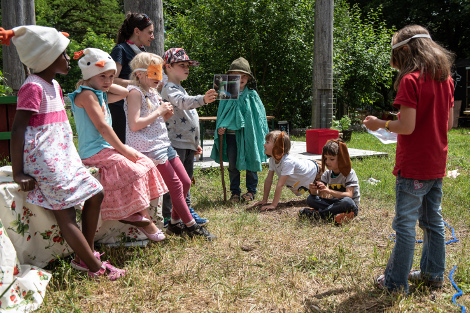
x,y
39,46
94,62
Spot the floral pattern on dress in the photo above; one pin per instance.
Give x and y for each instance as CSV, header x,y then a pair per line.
x,y
51,158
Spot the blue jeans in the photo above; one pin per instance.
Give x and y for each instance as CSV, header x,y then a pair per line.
x,y
187,158
234,173
328,208
417,200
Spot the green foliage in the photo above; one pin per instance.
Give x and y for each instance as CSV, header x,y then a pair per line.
x,y
4,90
343,124
362,72
276,37
77,16
90,24
446,20
90,40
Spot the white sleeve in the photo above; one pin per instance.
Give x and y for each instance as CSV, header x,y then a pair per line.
x,y
271,164
288,167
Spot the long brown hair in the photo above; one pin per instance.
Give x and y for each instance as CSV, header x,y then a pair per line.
x,y
421,54
133,20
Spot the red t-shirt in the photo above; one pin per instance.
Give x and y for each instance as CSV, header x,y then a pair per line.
x,y
423,154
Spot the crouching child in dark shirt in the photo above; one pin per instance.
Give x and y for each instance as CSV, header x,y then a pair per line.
x,y
336,195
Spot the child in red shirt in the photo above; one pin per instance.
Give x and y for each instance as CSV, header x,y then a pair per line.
x,y
425,96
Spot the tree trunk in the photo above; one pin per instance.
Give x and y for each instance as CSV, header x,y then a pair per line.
x,y
154,10
15,13
322,93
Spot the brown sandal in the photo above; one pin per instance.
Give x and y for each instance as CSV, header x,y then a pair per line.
x,y
248,197
235,198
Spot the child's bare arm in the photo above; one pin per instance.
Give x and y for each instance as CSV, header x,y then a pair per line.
x,y
120,81
88,100
137,122
277,194
18,131
267,188
116,93
404,126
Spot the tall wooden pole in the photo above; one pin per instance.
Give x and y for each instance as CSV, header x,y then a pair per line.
x,y
154,10
322,93
15,13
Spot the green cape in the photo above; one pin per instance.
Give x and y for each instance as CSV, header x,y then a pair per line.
x,y
247,117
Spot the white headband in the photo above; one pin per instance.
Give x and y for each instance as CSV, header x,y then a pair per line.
x,y
404,42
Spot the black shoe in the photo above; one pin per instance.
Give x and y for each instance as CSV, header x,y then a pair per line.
x,y
175,229
309,213
198,230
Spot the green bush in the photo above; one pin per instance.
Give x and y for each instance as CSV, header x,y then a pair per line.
x,y
4,90
276,37
362,71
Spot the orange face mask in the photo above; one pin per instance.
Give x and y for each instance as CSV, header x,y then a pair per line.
x,y
154,71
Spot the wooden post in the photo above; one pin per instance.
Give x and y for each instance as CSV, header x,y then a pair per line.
x,y
154,10
322,93
15,13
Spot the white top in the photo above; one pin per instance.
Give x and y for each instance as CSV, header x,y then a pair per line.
x,y
301,172
154,136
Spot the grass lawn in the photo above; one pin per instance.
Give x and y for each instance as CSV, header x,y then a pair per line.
x,y
274,262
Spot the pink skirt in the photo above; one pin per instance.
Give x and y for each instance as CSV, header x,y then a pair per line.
x,y
128,187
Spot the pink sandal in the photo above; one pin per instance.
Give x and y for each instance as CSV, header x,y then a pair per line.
x,y
113,272
158,236
82,266
136,220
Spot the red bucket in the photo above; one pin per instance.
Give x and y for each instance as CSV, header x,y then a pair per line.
x,y
316,139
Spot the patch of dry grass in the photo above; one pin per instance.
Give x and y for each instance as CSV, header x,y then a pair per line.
x,y
268,261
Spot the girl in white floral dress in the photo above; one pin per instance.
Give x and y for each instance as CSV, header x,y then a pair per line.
x,y
44,159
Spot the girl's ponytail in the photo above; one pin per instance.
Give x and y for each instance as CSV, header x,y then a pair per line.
x,y
133,20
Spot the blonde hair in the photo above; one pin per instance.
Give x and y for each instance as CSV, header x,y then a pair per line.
x,y
81,82
144,60
421,54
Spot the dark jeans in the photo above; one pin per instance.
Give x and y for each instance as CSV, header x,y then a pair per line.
x,y
119,119
328,208
234,173
187,158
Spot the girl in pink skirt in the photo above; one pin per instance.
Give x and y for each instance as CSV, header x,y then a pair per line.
x,y
146,131
130,180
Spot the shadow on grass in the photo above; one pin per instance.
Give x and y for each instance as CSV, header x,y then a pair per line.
x,y
361,301
206,203
282,206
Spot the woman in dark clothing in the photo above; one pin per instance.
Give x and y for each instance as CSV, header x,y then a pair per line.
x,y
136,32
